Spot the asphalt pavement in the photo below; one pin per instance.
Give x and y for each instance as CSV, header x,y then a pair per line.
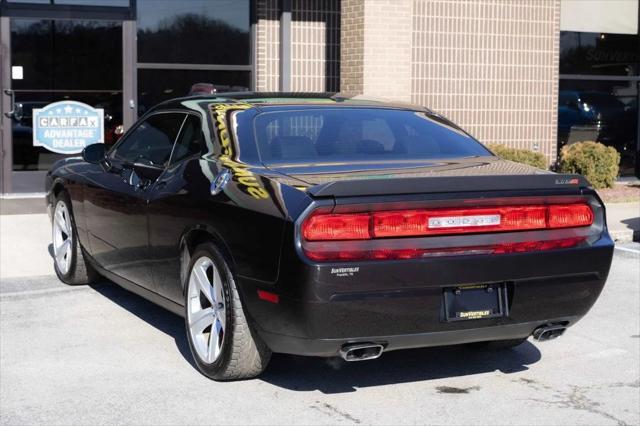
x,y
99,354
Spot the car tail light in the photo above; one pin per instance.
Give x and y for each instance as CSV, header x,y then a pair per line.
x,y
458,221
380,225
569,216
336,227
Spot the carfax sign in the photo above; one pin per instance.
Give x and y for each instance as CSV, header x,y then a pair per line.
x,y
67,127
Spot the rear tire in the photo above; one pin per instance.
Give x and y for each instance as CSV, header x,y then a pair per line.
x,y
69,260
221,340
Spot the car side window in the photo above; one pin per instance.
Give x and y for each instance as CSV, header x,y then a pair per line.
x,y
190,141
151,141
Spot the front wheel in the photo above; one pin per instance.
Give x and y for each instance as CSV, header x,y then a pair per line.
x,y
70,262
222,342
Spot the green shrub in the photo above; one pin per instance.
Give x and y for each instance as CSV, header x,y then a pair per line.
x,y
595,161
524,156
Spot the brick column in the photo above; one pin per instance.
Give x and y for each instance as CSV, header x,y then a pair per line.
x,y
376,39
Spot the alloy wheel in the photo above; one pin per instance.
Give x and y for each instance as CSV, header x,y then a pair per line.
x,y
62,238
206,310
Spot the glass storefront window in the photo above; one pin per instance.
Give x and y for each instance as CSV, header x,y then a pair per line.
x,y
65,54
599,53
603,111
155,86
63,60
194,31
113,3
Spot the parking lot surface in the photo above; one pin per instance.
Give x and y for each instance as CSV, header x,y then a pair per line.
x,y
99,354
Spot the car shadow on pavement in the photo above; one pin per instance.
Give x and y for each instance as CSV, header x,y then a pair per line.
x,y
337,376
163,320
333,375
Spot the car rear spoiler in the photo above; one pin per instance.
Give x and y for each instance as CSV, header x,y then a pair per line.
x,y
439,184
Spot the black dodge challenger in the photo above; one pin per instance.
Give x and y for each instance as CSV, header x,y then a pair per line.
x,y
327,226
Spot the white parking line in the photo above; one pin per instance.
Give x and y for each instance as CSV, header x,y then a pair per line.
x,y
628,249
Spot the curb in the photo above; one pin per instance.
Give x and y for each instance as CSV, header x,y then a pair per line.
x,y
625,235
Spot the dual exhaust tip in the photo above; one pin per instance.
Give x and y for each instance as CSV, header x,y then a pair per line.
x,y
368,351
361,351
548,332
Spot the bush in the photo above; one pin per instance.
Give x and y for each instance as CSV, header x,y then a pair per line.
x,y
595,161
524,156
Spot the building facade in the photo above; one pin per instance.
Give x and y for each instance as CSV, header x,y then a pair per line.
x,y
537,74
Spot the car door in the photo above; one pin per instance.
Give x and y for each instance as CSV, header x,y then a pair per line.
x,y
175,204
116,198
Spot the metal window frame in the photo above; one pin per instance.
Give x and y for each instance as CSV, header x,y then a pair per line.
x,y
68,11
6,145
191,67
285,45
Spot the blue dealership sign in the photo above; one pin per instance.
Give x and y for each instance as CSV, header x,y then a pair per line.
x,y
67,127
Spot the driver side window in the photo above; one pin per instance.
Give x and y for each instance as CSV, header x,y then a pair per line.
x,y
151,141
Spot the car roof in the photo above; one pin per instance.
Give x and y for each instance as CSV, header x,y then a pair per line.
x,y
260,100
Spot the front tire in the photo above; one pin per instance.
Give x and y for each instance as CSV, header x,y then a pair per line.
x,y
221,340
69,261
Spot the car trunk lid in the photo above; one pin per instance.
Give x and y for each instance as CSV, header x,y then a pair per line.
x,y
400,178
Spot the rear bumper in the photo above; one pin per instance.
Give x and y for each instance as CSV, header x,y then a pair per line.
x,y
399,304
331,347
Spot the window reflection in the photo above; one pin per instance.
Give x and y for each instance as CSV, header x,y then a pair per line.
x,y
63,54
603,111
194,31
598,53
155,86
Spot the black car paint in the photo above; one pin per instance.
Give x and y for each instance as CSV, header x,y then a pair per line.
x,y
138,237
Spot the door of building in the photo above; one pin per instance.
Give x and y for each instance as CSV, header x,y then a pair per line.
x,y
55,60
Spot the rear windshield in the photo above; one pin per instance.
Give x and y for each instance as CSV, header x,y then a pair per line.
x,y
326,135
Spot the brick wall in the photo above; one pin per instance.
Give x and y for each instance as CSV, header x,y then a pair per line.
x,y
491,66
376,48
315,45
267,48
352,47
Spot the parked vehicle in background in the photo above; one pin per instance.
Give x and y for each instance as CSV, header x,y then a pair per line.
x,y
321,225
600,117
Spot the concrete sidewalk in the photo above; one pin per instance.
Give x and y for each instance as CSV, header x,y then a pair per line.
x,y
623,220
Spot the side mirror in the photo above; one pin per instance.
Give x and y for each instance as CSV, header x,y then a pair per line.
x,y
94,153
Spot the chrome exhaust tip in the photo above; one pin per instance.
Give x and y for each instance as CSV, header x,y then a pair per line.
x,y
361,351
548,332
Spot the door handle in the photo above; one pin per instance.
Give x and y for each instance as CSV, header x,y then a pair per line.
x,y
12,95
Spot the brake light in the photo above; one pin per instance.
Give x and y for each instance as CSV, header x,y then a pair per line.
x,y
413,223
569,216
336,227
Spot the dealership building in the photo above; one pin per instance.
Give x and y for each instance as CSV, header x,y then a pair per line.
x,y
534,74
